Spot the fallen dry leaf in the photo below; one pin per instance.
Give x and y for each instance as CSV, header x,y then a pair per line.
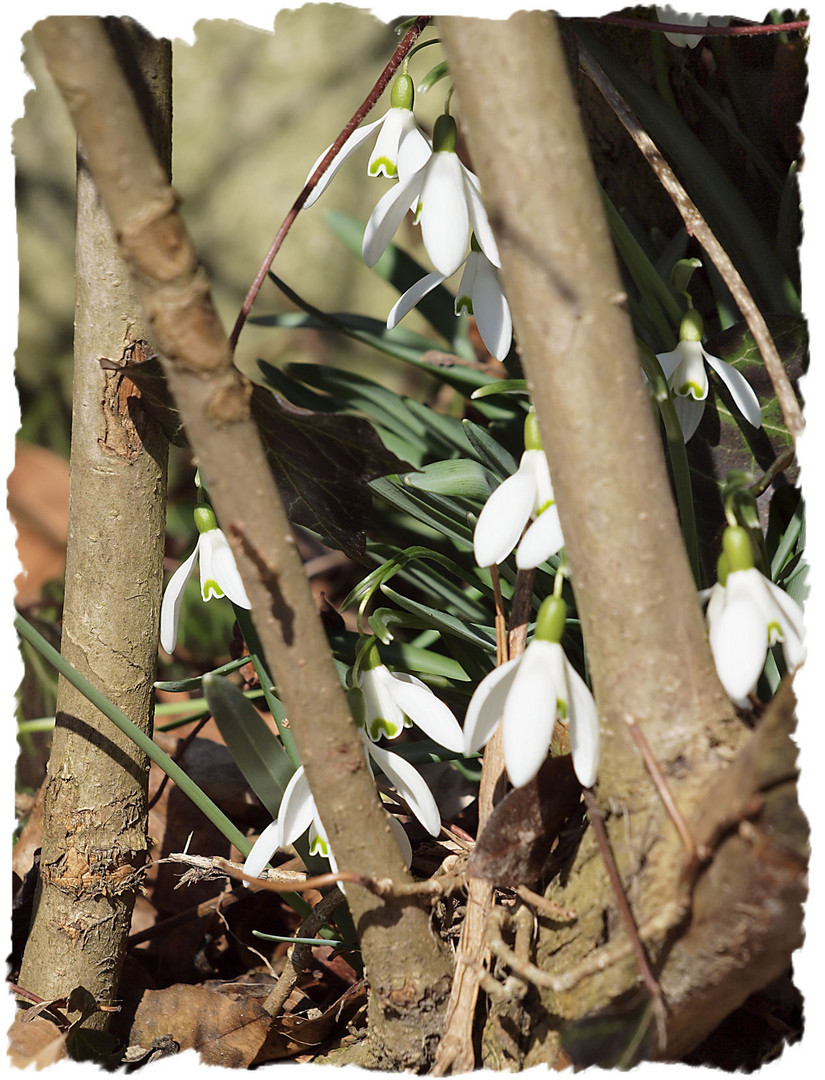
x,y
38,1042
224,1031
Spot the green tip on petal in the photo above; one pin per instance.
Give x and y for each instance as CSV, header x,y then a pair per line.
x,y
692,326
445,134
737,547
402,94
205,520
389,167
210,588
532,436
551,619
378,725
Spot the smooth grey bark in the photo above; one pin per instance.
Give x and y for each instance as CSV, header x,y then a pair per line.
x,y
643,629
408,969
94,834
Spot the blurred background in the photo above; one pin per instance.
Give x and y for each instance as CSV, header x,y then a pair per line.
x,y
252,112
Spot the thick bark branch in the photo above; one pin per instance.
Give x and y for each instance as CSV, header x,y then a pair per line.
x,y
642,624
94,831
408,970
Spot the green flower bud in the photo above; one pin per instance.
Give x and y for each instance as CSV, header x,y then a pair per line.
x,y
692,326
551,619
445,134
722,569
402,94
355,700
369,657
737,548
205,520
532,435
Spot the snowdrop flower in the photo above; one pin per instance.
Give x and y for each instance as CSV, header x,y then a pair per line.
x,y
684,369
527,494
527,695
746,614
298,812
218,572
479,294
446,195
400,148
389,697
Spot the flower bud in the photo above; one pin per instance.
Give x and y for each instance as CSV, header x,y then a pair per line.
x,y
692,326
551,619
402,94
445,134
737,548
532,435
205,520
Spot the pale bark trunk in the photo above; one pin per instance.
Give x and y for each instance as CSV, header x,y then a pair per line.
x,y
408,968
642,624
94,836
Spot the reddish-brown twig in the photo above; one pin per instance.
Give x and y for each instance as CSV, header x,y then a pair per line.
x,y
362,110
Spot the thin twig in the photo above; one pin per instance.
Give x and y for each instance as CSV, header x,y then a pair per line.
x,y
299,953
750,30
500,620
698,227
359,114
639,954
694,854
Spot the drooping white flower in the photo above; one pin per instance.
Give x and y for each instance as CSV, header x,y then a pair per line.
x,y
479,294
298,812
218,573
401,147
448,203
746,614
527,494
684,369
527,695
389,697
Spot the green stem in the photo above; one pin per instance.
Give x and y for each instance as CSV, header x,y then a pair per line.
x,y
122,721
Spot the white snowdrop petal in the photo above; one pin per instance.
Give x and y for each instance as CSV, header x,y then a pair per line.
x,y
445,222
689,413
171,604
491,310
479,219
583,727
407,301
428,712
739,643
503,517
487,705
401,837
262,850
542,539
388,215
740,389
410,785
297,808
355,140
379,703
225,569
530,710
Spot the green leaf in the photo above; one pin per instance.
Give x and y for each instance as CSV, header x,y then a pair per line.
x,y
401,271
482,636
492,453
254,748
461,477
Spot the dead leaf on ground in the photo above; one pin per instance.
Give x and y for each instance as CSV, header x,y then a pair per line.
x,y
224,1031
38,1042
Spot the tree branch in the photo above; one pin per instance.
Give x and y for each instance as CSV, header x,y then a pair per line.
x,y
213,398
